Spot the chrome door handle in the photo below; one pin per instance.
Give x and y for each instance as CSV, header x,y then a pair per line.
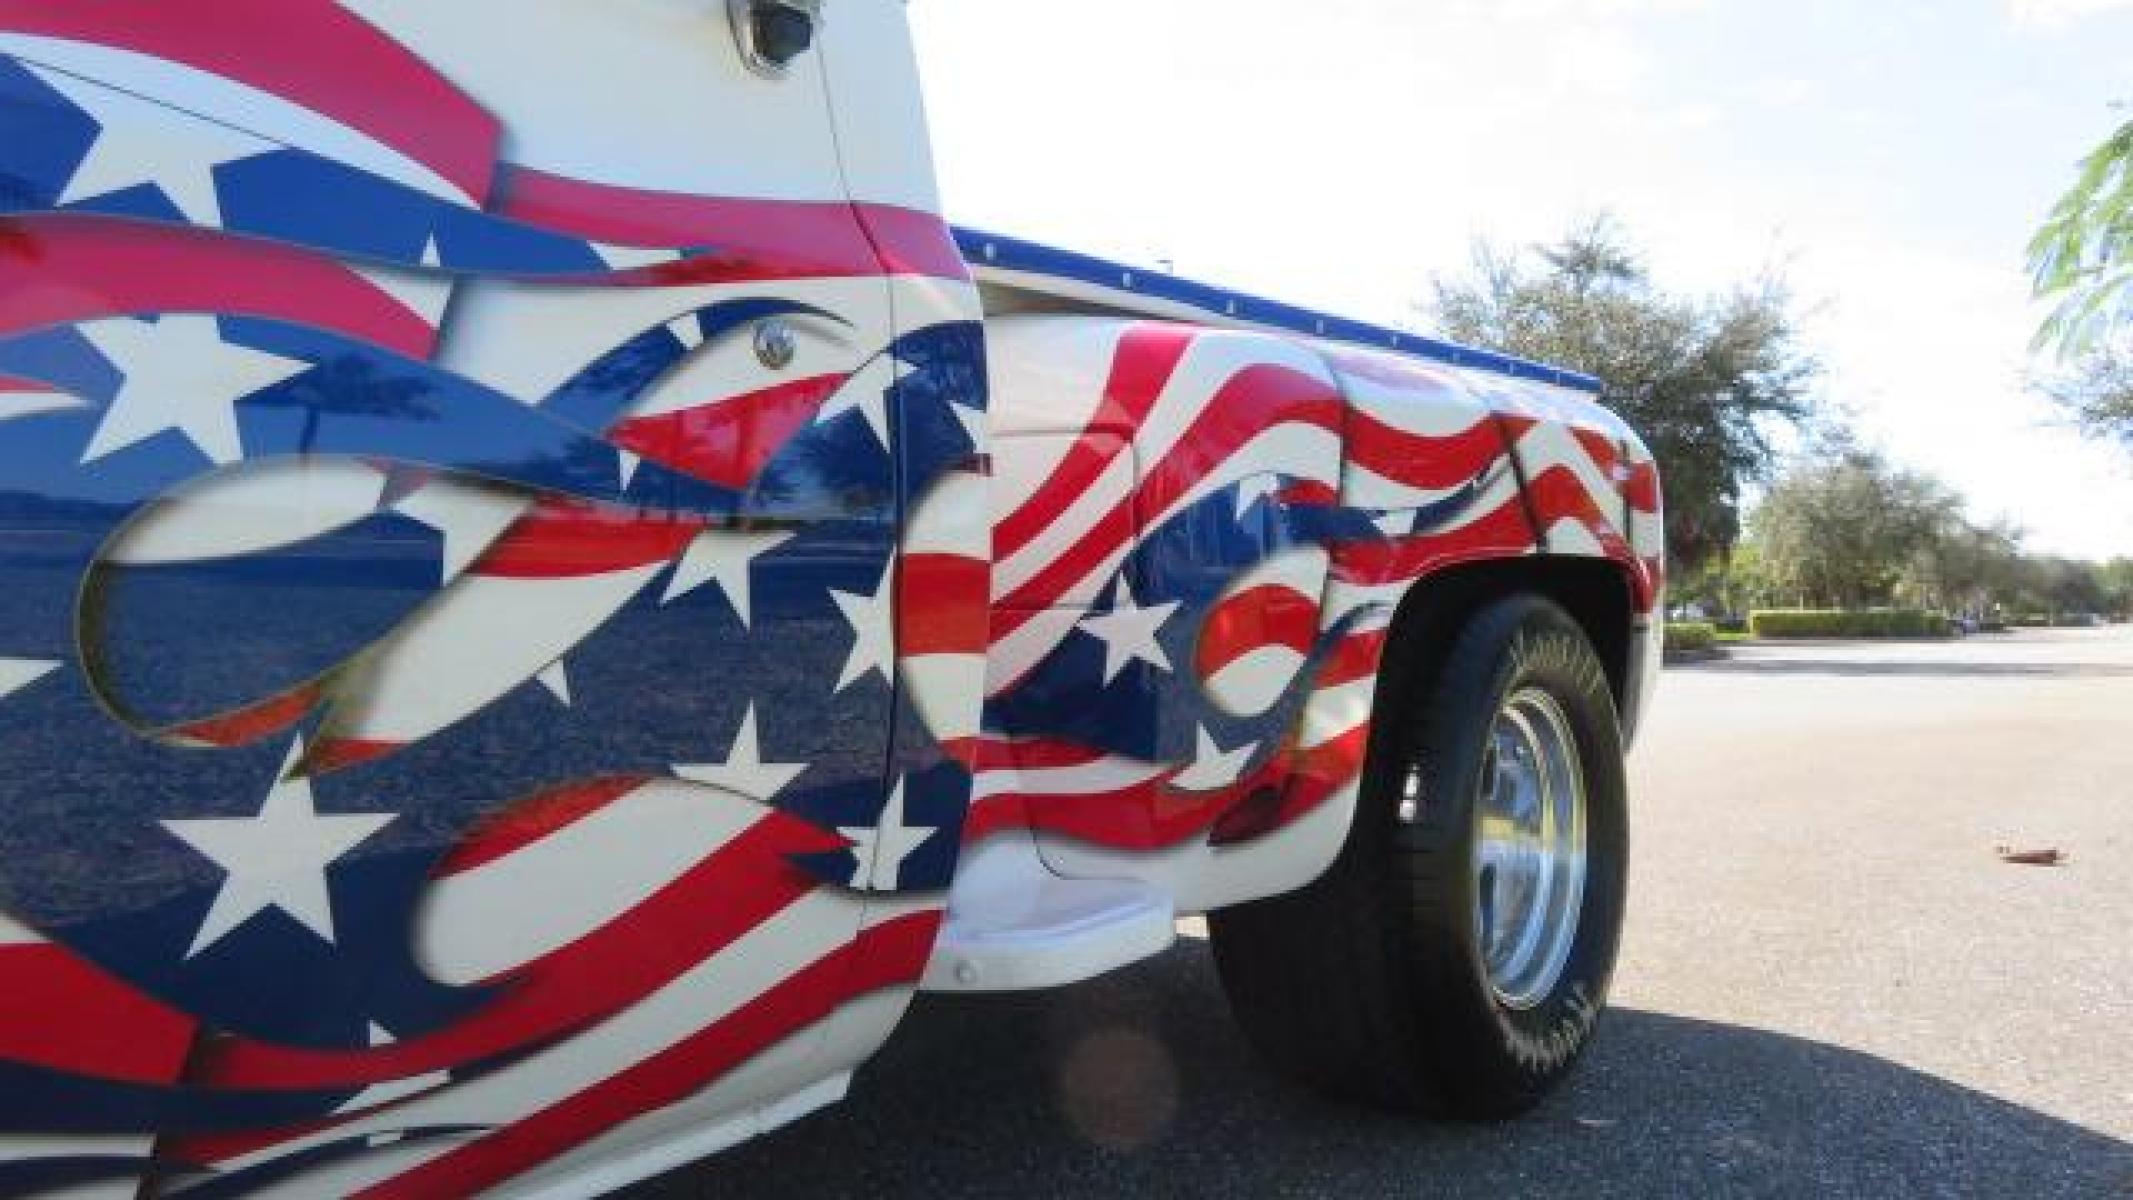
x,y
773,34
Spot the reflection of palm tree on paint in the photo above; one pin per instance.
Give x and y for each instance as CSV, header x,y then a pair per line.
x,y
353,387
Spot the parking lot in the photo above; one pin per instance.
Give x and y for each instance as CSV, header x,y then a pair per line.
x,y
1831,984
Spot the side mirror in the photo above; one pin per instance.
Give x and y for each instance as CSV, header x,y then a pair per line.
x,y
773,34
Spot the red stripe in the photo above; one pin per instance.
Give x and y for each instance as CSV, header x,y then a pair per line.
x,y
941,605
59,1012
1319,772
62,269
728,441
1308,492
1503,533
1420,461
531,820
328,755
1034,754
245,726
1559,494
993,814
1147,816
912,242
1254,400
1600,448
8,383
1356,657
822,236
887,955
566,538
743,884
311,52
744,238
1143,365
1642,488
1107,537
1076,472
1272,614
1153,815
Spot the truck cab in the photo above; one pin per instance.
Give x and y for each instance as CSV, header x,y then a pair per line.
x,y
546,592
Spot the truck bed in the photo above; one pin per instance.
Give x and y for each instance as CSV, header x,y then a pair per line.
x,y
1023,276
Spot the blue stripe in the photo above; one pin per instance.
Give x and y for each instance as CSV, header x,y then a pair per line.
x,y
1221,305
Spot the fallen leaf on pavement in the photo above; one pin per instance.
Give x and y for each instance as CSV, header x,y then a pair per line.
x,y
2051,857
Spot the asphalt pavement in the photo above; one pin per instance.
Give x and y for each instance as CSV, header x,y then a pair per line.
x,y
1830,985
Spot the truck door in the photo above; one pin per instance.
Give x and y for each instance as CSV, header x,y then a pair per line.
x,y
448,558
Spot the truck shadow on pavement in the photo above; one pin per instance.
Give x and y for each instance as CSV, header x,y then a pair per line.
x,y
1140,1084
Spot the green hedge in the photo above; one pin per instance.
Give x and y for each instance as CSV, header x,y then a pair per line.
x,y
1847,623
1690,637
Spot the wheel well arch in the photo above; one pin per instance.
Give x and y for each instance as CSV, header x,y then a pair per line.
x,y
1594,591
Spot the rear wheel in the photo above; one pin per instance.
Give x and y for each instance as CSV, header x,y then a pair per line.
x,y
1455,957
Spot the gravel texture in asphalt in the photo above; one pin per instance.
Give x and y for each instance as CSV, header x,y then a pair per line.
x,y
1830,983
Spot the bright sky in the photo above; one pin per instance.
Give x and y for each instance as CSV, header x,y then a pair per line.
x,y
1893,156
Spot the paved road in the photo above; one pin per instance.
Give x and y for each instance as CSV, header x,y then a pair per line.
x,y
1830,985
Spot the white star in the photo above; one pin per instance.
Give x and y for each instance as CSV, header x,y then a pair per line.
x,y
19,673
142,142
1128,632
724,557
629,258
872,619
556,678
744,771
1212,767
867,392
688,330
277,859
626,464
973,420
179,374
378,1095
881,848
424,293
1396,524
1253,487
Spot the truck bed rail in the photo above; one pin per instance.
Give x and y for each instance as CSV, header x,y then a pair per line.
x,y
1020,265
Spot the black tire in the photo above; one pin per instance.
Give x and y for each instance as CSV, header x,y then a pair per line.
x,y
1370,983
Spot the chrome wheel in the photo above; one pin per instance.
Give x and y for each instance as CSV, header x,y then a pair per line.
x,y
1529,848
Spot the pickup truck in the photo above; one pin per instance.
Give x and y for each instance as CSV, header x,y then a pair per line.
x,y
545,593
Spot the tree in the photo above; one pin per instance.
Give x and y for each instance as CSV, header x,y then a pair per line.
x,y
2097,392
1845,528
2083,259
2083,256
2061,587
1967,568
1701,379
2115,580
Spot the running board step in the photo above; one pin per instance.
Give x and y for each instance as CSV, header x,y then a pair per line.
x,y
1055,931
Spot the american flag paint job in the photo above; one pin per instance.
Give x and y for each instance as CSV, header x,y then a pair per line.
x,y
449,694
1201,538
466,719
